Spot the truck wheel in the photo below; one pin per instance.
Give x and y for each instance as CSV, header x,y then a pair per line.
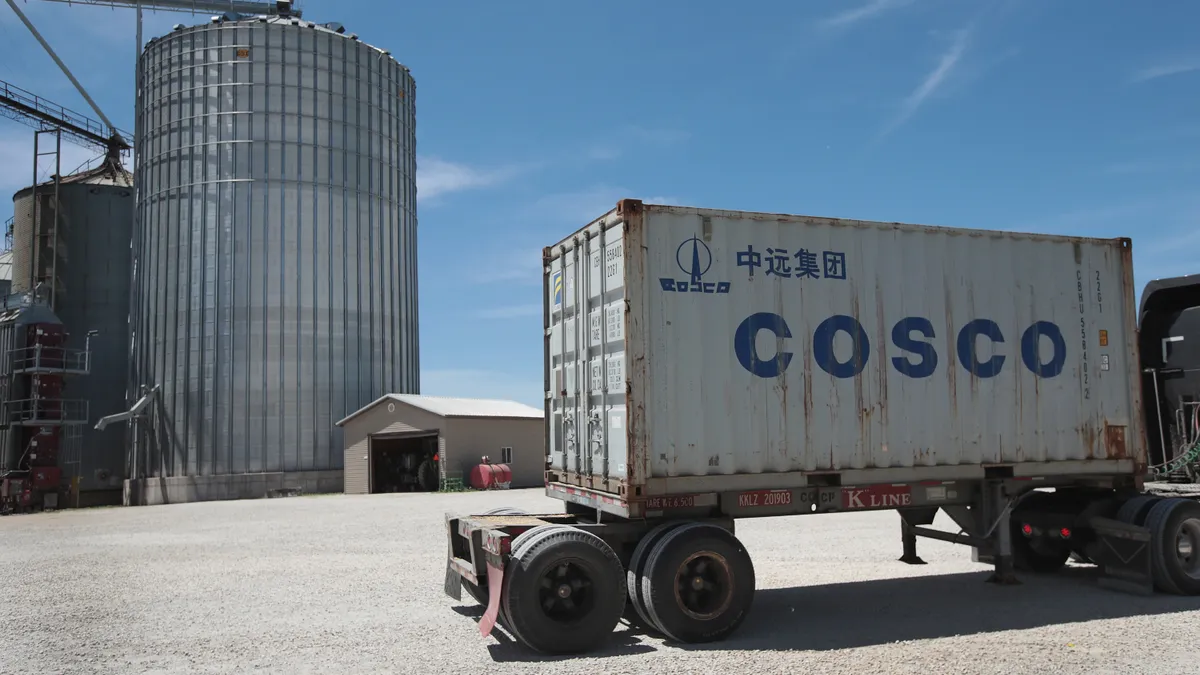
x,y
427,475
1135,511
519,544
698,583
1174,526
640,617
563,591
506,511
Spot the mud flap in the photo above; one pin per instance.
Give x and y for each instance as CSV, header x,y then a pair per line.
x,y
1123,555
495,583
453,583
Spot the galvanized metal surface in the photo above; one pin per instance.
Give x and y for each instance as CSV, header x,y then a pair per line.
x,y
757,345
276,290
91,294
469,407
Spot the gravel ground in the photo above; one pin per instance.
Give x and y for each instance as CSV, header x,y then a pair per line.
x,y
344,584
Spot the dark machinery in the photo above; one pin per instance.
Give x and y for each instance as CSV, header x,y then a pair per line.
x,y
406,465
34,415
1169,336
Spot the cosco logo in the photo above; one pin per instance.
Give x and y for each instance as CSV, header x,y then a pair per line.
x,y
912,335
694,259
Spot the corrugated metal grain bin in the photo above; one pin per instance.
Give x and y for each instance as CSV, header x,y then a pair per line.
x,y
692,350
276,289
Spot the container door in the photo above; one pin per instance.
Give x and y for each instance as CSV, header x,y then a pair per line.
x,y
586,353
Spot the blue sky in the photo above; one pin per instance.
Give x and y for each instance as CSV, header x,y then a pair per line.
x,y
535,116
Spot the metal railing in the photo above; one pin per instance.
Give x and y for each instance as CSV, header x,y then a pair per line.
x,y
46,412
22,105
198,6
47,359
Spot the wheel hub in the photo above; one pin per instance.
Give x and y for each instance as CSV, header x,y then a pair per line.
x,y
1187,547
704,585
566,592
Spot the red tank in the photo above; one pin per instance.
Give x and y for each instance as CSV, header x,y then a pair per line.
x,y
491,477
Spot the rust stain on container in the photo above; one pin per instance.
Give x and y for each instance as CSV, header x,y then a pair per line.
x,y
1087,436
881,346
1114,442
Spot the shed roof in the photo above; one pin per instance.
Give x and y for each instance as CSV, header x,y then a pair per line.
x,y
456,407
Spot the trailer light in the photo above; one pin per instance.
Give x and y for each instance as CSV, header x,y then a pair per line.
x,y
1027,530
1065,533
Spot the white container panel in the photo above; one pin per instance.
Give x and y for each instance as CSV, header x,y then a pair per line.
x,y
757,344
586,358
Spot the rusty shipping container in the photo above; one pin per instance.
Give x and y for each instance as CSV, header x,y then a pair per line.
x,y
697,352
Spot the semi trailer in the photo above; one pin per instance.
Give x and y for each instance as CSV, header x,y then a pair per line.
x,y
704,366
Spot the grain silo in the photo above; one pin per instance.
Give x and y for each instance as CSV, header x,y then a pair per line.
x,y
80,256
276,253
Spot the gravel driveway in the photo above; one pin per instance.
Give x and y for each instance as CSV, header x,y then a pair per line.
x,y
350,584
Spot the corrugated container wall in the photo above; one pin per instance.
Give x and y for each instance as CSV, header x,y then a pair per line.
x,y
691,349
277,239
90,293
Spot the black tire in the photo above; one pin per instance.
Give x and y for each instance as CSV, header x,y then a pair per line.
x,y
518,546
636,613
1174,526
1136,510
564,592
505,511
427,475
710,556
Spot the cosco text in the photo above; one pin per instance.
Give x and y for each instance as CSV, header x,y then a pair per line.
x,y
912,335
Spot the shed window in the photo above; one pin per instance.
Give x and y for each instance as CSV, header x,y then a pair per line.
x,y
506,455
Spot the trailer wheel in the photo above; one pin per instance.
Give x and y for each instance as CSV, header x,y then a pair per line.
x,y
563,591
518,545
698,583
1136,510
427,475
505,511
640,617
1174,526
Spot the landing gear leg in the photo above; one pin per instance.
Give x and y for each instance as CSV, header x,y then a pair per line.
x,y
1001,536
908,539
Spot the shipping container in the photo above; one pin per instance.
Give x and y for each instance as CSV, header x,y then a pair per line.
x,y
693,351
703,366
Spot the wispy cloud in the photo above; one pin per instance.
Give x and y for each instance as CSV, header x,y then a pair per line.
x,y
946,64
618,143
574,209
522,386
864,12
1179,66
510,312
512,266
1151,166
437,177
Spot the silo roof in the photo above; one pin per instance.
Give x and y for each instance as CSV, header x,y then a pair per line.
x,y
108,173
